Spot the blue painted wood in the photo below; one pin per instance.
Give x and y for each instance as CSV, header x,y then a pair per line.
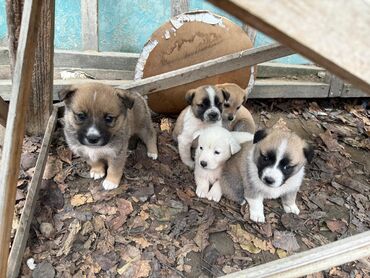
x,y
124,25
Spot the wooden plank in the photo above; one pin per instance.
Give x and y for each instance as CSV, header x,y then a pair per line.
x,y
350,91
21,236
15,124
41,100
104,74
336,86
314,260
179,7
274,88
209,68
268,70
89,16
338,43
101,60
3,112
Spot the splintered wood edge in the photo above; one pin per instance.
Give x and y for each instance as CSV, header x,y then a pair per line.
x,y
21,236
314,260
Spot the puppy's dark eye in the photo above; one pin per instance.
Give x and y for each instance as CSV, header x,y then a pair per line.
x,y
237,108
217,152
264,157
201,148
201,105
288,167
81,116
227,105
109,119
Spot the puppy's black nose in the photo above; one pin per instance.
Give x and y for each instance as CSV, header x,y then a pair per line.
x,y
203,164
213,116
268,180
93,139
230,117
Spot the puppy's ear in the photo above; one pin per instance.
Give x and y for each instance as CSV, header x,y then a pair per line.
x,y
226,94
234,145
67,92
189,96
242,137
127,99
308,153
197,133
259,135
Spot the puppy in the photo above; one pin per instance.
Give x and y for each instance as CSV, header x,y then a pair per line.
x,y
215,146
204,110
99,121
235,117
271,167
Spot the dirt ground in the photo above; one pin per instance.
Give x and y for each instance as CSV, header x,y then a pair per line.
x,y
153,225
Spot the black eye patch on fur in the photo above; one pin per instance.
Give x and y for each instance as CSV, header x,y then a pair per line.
x,y
265,160
201,108
286,168
218,103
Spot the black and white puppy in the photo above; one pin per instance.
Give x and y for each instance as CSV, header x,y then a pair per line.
x,y
204,110
271,167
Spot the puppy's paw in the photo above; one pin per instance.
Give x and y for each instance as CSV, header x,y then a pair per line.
x,y
108,185
257,217
190,164
202,191
291,209
215,194
97,173
153,156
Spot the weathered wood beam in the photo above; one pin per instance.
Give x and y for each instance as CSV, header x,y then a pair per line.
x,y
3,112
41,100
89,16
15,124
338,43
314,260
21,236
212,67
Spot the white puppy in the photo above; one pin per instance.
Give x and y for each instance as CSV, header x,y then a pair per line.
x,y
215,146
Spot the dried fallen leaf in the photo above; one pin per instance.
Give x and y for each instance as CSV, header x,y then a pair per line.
x,y
142,242
331,143
336,226
74,228
281,253
65,154
81,199
286,241
281,125
165,124
53,166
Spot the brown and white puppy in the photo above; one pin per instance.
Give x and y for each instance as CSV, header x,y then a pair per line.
x,y
270,167
204,110
99,121
235,117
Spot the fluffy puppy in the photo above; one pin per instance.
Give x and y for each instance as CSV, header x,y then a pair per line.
x,y
235,116
99,121
271,167
215,146
204,110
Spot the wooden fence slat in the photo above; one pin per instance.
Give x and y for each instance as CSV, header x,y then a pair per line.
x,y
212,67
89,16
314,260
21,236
15,124
41,100
338,43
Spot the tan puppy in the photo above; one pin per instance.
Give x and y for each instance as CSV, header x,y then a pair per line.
x,y
99,121
235,117
271,167
204,110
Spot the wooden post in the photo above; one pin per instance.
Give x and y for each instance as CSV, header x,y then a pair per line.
x,y
251,32
89,15
41,100
179,7
14,10
14,132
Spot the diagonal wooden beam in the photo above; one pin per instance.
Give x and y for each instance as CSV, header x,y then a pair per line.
x,y
14,132
314,260
202,70
3,112
334,34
